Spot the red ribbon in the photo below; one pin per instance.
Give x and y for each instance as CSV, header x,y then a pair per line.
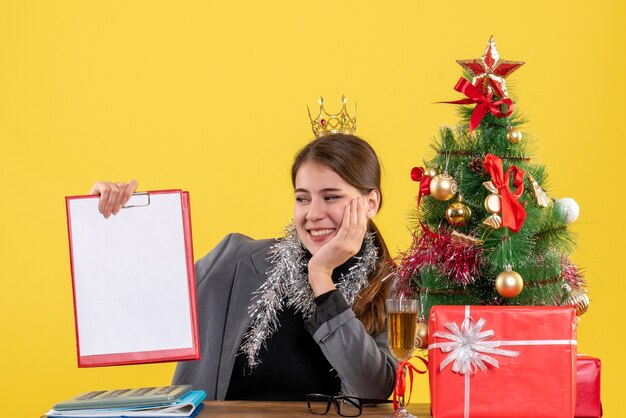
x,y
417,174
428,232
513,213
484,103
400,387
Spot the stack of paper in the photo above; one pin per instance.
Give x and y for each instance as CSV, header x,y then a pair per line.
x,y
187,406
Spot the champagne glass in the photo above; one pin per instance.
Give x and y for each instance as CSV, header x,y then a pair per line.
x,y
401,329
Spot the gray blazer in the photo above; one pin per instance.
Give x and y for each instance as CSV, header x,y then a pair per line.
x,y
225,281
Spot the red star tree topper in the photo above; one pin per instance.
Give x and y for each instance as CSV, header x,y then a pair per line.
x,y
489,71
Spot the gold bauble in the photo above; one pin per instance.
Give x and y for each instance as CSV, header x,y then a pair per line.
x,y
514,136
493,221
421,338
430,172
509,284
458,214
443,187
493,203
579,300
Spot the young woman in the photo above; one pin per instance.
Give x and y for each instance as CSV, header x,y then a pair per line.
x,y
305,313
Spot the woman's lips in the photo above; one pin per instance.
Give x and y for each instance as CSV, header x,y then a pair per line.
x,y
321,234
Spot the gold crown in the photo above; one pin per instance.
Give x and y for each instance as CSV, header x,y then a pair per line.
x,y
327,123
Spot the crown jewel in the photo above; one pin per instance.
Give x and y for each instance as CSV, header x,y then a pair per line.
x,y
328,123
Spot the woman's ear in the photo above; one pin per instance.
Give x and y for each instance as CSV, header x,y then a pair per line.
x,y
373,203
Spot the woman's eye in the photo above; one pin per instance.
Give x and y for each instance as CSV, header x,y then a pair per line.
x,y
301,199
332,197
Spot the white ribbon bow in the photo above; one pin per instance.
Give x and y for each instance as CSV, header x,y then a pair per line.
x,y
468,345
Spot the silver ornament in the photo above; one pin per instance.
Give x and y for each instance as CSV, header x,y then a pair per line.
x,y
569,208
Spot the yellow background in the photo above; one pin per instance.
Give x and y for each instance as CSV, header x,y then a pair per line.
x,y
211,97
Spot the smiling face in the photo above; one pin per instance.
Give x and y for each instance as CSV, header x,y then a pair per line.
x,y
321,197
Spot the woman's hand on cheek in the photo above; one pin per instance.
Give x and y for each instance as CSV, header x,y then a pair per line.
x,y
345,244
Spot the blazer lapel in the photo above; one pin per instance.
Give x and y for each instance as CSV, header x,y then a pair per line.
x,y
249,276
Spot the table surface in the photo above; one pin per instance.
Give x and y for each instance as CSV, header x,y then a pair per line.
x,y
253,409
249,409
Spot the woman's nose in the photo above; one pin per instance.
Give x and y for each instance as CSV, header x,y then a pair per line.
x,y
316,210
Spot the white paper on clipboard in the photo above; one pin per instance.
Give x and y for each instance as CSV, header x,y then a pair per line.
x,y
133,281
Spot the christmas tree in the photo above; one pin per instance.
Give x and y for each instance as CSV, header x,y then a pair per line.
x,y
486,231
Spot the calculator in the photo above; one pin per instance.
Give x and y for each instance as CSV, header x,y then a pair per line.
x,y
124,398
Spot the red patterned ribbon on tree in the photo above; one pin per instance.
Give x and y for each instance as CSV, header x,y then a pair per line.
x,y
513,213
484,103
400,387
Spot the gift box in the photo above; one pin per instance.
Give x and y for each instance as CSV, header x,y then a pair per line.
x,y
588,404
500,361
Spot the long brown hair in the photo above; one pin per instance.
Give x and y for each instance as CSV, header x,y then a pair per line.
x,y
355,161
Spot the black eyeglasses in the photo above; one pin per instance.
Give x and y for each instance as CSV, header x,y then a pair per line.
x,y
345,406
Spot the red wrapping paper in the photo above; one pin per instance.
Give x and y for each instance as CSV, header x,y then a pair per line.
x,y
539,382
588,404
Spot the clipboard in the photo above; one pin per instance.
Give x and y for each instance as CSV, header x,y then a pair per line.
x,y
133,280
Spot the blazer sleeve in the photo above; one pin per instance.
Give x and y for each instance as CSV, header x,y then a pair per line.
x,y
364,363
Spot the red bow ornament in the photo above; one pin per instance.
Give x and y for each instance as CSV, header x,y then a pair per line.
x,y
502,199
419,174
484,103
423,176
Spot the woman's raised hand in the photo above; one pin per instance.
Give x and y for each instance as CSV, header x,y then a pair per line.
x,y
113,195
345,244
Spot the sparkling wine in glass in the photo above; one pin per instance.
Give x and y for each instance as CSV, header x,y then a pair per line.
x,y
402,329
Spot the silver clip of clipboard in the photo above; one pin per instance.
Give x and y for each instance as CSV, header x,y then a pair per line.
x,y
138,200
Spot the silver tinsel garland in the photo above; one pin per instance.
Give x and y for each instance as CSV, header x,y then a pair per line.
x,y
288,285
